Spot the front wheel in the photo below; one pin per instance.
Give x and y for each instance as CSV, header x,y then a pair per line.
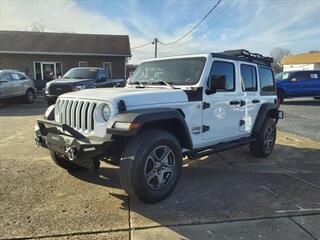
x,y
150,165
266,139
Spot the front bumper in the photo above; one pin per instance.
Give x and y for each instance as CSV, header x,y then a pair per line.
x,y
71,144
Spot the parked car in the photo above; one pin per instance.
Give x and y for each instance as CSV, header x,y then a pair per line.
x,y
79,78
14,84
302,83
176,107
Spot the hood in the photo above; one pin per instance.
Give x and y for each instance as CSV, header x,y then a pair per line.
x,y
132,96
69,81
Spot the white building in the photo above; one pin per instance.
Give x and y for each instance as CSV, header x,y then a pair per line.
x,y
306,61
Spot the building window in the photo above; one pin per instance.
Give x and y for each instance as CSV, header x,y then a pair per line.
x,y
108,68
83,64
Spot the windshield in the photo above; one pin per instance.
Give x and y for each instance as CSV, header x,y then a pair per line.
x,y
184,71
81,73
283,76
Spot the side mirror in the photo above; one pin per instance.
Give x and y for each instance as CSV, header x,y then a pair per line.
x,y
59,76
217,82
293,79
117,85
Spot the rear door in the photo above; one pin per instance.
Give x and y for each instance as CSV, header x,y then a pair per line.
x,y
250,96
17,84
6,89
312,83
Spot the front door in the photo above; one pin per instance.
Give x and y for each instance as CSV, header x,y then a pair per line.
x,y
48,71
221,110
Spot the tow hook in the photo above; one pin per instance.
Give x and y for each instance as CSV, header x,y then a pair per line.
x,y
38,141
72,153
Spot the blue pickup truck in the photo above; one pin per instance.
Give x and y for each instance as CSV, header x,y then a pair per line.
x,y
303,83
77,79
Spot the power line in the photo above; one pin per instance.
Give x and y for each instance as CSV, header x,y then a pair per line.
x,y
192,29
143,45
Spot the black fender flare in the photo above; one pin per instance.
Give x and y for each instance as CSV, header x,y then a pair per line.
x,y
144,117
266,109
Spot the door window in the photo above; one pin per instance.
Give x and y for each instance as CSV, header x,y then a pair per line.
x,y
266,80
6,77
225,70
248,78
101,76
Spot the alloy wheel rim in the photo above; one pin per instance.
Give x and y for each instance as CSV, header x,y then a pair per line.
x,y
269,139
159,167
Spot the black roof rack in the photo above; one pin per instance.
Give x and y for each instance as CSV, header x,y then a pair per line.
x,y
242,54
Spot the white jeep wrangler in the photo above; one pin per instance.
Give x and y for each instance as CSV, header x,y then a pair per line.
x,y
176,107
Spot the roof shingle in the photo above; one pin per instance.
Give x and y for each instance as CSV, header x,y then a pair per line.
x,y
64,43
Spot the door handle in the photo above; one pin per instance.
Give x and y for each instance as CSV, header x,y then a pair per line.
x,y
255,101
242,103
234,102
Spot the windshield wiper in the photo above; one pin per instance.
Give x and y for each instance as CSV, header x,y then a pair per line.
x,y
139,83
169,84
66,77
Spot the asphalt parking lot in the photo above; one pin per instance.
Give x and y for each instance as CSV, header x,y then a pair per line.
x,y
302,117
230,195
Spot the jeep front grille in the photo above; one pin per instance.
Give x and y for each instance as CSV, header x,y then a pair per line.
x,y
78,114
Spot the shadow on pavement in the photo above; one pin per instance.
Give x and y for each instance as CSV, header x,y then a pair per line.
x,y
227,187
17,108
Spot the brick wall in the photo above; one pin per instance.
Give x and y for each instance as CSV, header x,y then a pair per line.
x,y
24,62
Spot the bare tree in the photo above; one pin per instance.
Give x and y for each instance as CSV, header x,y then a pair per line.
x,y
277,54
37,27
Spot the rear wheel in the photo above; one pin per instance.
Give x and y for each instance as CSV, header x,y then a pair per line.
x,y
150,165
266,138
29,96
66,164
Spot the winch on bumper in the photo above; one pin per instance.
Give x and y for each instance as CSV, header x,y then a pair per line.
x,y
70,143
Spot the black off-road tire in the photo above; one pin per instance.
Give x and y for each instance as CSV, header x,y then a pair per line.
x,y
263,147
64,163
134,161
29,96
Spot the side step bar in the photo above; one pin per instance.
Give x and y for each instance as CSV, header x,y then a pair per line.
x,y
197,153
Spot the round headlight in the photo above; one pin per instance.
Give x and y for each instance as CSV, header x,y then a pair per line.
x,y
106,112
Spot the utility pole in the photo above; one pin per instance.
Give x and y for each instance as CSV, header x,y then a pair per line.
x,y
155,42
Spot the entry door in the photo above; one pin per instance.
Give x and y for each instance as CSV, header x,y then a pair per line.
x,y
221,113
48,71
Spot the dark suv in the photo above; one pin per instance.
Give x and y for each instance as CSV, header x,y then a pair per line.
x,y
303,83
77,79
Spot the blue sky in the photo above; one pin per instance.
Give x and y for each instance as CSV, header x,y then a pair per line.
x,y
257,25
